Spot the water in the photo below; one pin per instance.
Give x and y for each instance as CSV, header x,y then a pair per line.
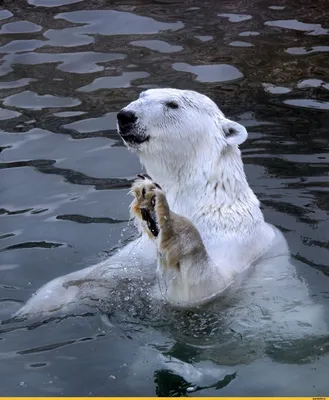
x,y
67,67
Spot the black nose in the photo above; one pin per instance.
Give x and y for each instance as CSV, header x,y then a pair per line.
x,y
126,117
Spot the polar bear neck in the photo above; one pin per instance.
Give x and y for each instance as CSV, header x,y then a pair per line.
x,y
199,185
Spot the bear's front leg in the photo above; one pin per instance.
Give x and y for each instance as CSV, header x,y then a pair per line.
x,y
176,236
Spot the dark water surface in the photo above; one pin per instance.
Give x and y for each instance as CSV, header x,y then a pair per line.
x,y
67,67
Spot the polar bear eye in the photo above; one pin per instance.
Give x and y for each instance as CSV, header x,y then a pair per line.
x,y
172,104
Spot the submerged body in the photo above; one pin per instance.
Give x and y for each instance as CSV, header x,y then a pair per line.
x,y
191,150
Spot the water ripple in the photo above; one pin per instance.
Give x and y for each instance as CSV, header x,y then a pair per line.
x,y
211,73
311,29
235,17
34,101
308,103
157,45
5,14
112,82
67,67
78,63
122,23
29,245
20,27
83,219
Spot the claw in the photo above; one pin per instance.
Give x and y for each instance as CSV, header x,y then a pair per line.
x,y
147,176
151,224
144,176
144,204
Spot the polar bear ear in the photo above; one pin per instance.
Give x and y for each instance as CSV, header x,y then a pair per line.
x,y
235,133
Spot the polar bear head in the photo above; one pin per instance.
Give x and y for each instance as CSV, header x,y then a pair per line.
x,y
171,121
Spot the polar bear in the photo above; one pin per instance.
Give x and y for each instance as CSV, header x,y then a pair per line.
x,y
199,220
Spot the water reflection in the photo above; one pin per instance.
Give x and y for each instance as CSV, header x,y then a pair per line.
x,y
204,38
110,82
32,100
18,46
103,123
311,29
158,45
20,27
304,50
52,3
122,23
235,17
8,114
79,63
275,89
240,44
4,14
211,73
308,103
15,84
67,67
312,83
249,33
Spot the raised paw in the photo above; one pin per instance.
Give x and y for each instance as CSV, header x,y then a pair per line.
x,y
145,206
177,239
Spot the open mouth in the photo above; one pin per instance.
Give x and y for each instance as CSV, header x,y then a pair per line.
x,y
130,138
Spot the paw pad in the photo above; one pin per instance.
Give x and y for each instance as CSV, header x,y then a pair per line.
x,y
144,204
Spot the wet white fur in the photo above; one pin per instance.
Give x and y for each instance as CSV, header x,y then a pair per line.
x,y
193,154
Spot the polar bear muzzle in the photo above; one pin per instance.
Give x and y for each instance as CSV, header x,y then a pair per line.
x,y
127,128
